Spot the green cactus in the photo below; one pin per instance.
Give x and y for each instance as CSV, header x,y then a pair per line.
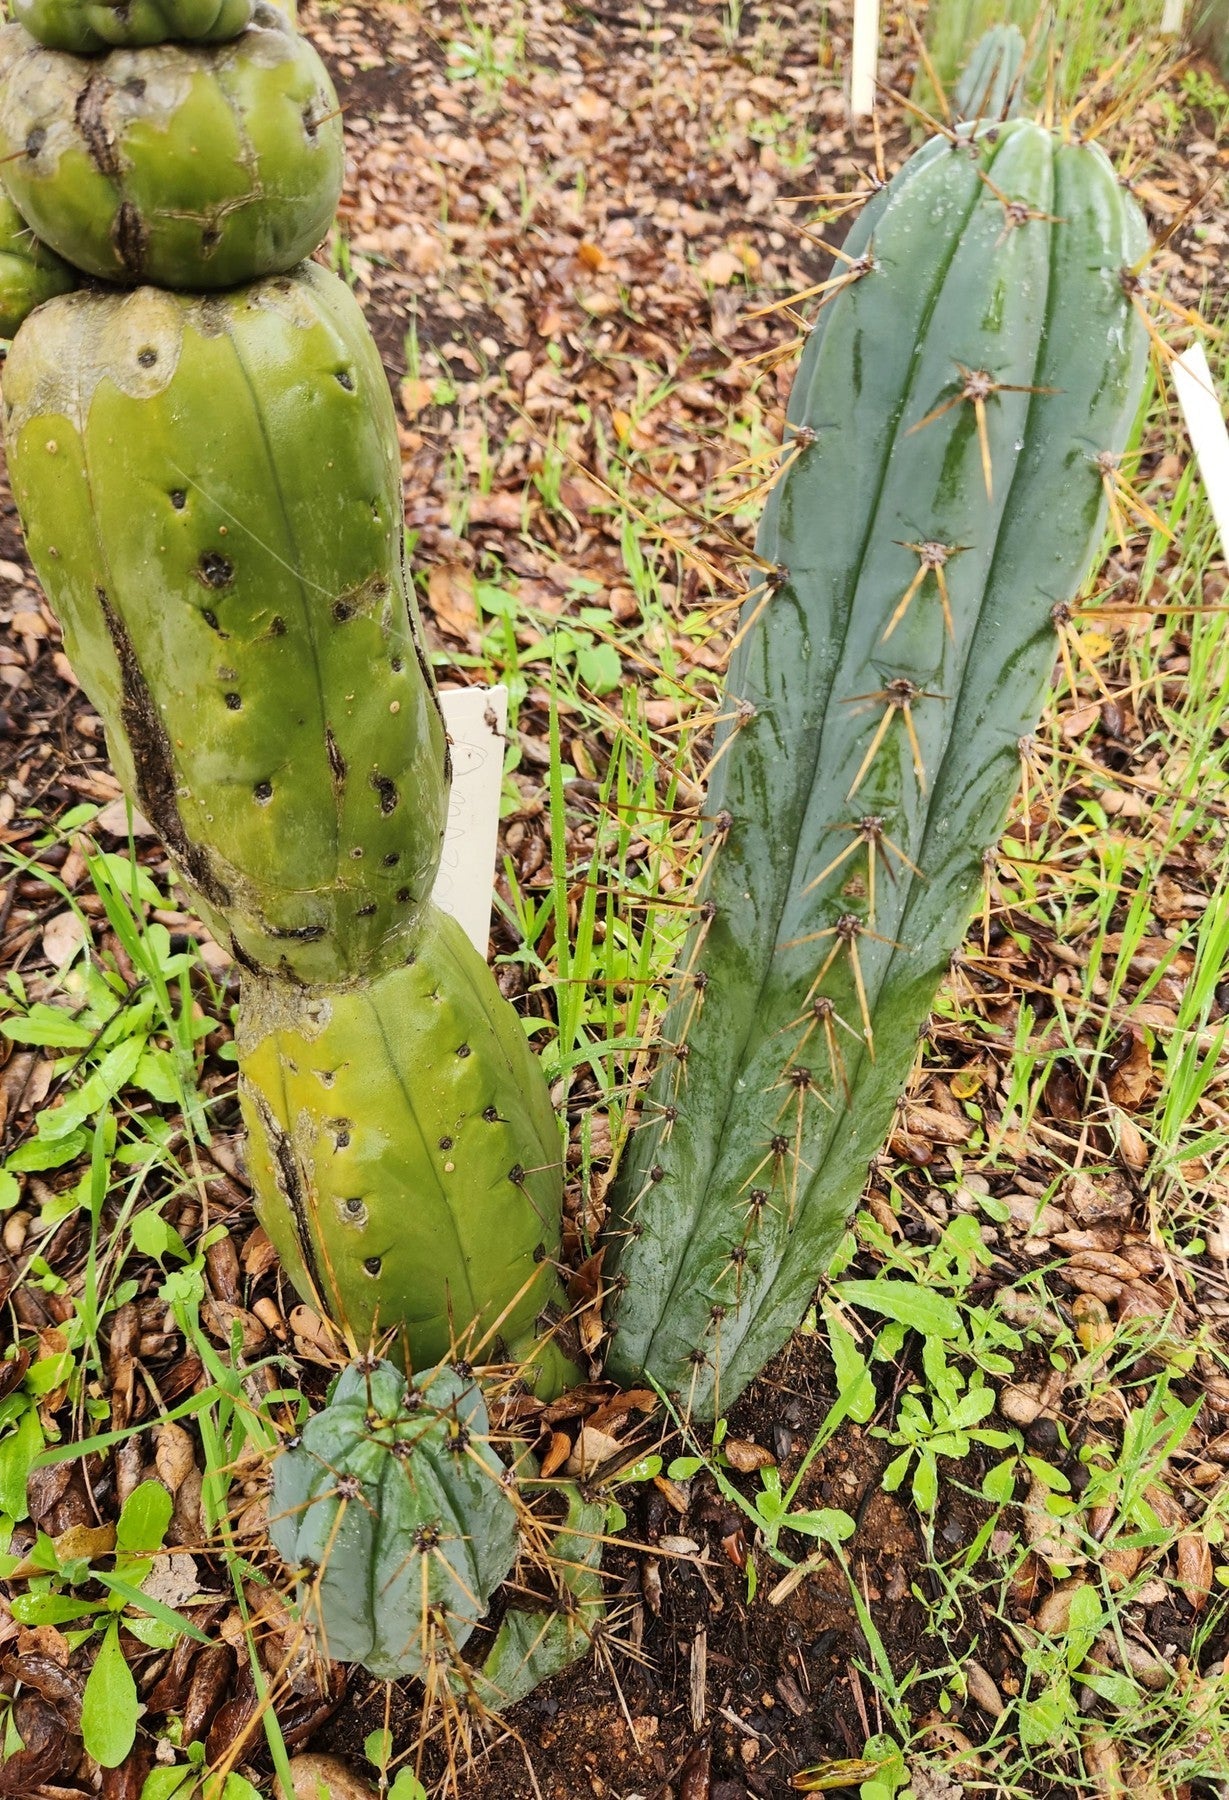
x,y
953,27
532,1645
404,1522
1209,32
87,26
30,273
956,413
265,693
992,84
405,1156
191,167
397,1505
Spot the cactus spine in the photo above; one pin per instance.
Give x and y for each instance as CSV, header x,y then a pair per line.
x,y
210,489
953,414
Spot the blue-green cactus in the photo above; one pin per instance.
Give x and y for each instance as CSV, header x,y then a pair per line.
x,y
979,359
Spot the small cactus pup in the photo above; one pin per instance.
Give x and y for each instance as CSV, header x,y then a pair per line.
x,y
405,1159
992,84
403,1521
974,375
400,1514
88,26
211,494
952,28
190,166
534,1644
30,273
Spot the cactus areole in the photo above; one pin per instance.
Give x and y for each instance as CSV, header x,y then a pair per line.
x,y
192,166
974,374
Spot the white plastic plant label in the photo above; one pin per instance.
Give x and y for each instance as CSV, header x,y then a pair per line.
x,y
477,722
864,62
1205,422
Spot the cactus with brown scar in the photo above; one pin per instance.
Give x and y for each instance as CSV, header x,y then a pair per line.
x,y
210,487
978,356
192,166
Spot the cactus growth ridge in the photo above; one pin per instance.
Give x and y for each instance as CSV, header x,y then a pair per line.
x,y
977,356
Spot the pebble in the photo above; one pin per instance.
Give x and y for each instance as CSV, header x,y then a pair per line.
x,y
323,1778
1020,1404
1054,1614
1148,1669
1036,1220
1028,1313
15,1228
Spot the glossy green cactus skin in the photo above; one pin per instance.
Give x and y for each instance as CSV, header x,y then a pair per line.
x,y
398,1506
405,1156
211,494
190,167
88,26
30,273
533,1645
992,84
799,1003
